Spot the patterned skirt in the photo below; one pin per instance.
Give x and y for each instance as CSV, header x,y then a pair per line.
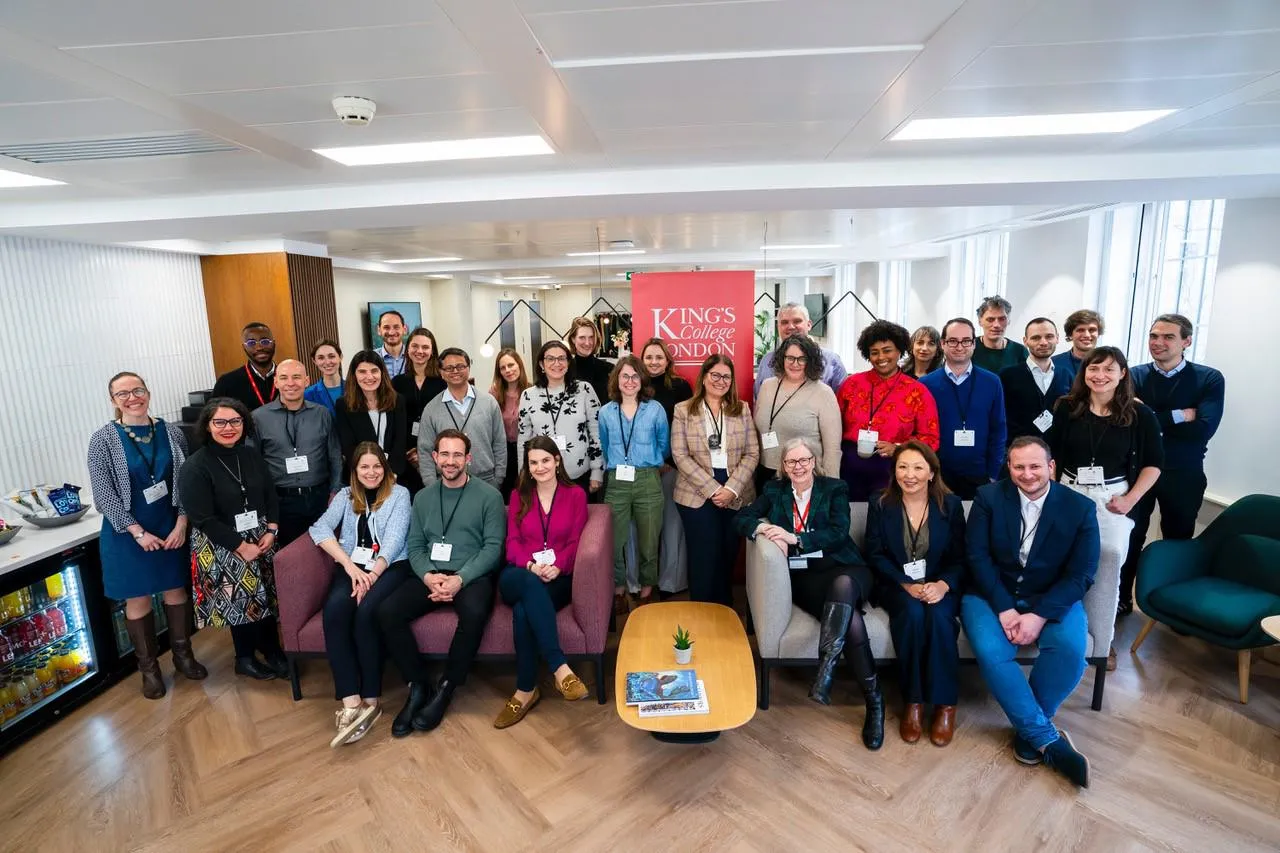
x,y
229,591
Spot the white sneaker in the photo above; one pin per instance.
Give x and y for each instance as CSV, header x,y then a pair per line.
x,y
348,721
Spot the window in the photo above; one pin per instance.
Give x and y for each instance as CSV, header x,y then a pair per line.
x,y
895,286
979,268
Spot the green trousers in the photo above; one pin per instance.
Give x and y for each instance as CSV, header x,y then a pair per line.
x,y
640,501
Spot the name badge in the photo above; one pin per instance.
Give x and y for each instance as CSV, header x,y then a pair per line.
x,y
867,439
1090,475
547,556
1044,421
801,561
769,440
915,569
296,465
413,430
247,521
720,459
963,438
441,552
561,442
362,556
626,473
156,492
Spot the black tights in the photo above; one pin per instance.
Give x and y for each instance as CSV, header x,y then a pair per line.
x,y
857,645
261,636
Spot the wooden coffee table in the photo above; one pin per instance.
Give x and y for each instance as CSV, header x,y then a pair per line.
x,y
721,657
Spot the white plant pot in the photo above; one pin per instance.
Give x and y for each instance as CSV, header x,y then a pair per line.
x,y
683,656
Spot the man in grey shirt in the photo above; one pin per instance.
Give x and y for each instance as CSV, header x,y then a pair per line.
x,y
478,416
300,445
793,319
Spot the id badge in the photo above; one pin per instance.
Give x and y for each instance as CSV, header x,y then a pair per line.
x,y
797,563
769,440
625,473
1090,475
561,442
362,556
547,556
246,521
413,430
720,459
963,438
867,439
156,492
441,552
915,569
296,465
1044,420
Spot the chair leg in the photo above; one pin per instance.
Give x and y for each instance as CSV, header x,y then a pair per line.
x,y
1142,635
1243,658
1099,682
763,701
598,665
293,678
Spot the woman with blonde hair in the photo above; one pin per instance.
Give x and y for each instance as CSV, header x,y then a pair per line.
x,y
584,338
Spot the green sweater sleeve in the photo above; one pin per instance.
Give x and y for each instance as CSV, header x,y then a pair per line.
x,y
492,524
418,547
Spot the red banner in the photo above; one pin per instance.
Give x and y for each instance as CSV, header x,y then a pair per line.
x,y
697,314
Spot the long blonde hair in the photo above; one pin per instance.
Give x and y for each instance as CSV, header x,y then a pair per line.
x,y
358,503
499,387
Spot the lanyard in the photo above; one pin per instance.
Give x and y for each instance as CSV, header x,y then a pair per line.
x,y
963,407
801,519
155,451
555,413
871,396
1025,534
622,427
452,514
271,395
545,518
448,407
773,412
244,493
718,425
291,435
372,524
378,432
914,532
1093,446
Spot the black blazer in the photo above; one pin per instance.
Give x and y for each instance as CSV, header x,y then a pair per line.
x,y
886,553
415,398
355,427
828,518
1023,401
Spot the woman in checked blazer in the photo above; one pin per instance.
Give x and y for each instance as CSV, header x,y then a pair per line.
x,y
716,448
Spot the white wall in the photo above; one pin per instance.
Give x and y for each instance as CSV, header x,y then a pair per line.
x,y
353,290
71,317
1246,299
929,303
1046,275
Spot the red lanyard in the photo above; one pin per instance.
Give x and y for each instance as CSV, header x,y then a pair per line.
x,y
801,521
254,385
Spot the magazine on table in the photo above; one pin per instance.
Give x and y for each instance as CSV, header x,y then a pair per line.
x,y
677,707
661,686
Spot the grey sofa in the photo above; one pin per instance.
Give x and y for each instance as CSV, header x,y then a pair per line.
x,y
787,636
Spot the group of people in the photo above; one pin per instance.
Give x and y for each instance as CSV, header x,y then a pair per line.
x,y
403,468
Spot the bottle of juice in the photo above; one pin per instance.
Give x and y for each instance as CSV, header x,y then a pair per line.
x,y
8,703
64,666
13,606
33,684
28,603
53,586
46,676
21,695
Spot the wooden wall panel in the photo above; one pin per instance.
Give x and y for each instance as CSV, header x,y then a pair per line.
x,y
240,289
315,314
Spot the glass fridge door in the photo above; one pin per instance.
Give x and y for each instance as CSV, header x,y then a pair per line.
x,y
46,643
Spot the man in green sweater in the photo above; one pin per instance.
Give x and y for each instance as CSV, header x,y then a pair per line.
x,y
459,407
456,537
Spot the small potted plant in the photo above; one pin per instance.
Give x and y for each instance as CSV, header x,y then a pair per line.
x,y
683,645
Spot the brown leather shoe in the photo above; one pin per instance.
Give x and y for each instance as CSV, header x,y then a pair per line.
x,y
513,712
912,725
944,725
572,688
1111,659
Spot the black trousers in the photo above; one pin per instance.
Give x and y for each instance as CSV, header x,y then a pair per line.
x,y
352,641
299,511
1179,494
964,487
408,602
925,638
262,636
712,545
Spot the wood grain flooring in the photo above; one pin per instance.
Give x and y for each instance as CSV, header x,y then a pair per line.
x,y
235,765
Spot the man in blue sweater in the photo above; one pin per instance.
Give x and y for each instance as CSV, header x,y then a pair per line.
x,y
1187,399
971,417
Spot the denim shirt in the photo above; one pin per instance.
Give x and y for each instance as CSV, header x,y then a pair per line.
x,y
649,435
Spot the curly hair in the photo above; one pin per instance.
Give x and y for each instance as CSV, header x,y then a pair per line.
x,y
883,330
813,364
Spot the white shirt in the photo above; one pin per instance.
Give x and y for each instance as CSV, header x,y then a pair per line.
x,y
1043,378
379,421
801,504
1031,512
463,404
958,378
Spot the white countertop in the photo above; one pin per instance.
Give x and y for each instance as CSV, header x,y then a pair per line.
x,y
35,543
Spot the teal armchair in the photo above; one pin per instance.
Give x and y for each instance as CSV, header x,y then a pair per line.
x,y
1219,586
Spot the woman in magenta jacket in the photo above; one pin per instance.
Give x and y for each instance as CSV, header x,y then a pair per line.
x,y
544,520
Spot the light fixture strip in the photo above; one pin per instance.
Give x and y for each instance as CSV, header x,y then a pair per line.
x,y
998,127
800,247
421,260
604,252
444,149
722,56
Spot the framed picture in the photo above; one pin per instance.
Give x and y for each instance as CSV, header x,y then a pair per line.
x,y
411,311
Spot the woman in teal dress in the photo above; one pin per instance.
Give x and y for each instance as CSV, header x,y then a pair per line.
x,y
133,469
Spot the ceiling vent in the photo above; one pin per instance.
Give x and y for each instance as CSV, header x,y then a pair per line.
x,y
1066,213
119,148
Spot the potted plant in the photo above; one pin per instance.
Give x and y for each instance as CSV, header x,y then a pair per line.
x,y
683,645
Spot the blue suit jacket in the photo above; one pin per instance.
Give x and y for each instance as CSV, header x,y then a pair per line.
x,y
887,554
1063,558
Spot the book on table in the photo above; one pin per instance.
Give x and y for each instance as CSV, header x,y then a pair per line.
x,y
661,686
677,707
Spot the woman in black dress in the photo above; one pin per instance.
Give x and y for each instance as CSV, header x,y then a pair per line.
x,y
371,410
418,385
231,502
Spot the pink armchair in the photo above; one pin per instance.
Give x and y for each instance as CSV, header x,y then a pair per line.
x,y
303,573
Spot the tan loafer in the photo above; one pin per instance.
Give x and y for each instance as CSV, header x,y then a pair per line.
x,y
572,688
513,712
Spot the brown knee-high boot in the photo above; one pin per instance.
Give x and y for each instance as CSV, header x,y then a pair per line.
x,y
184,660
143,634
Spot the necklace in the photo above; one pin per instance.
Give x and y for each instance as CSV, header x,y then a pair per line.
x,y
141,439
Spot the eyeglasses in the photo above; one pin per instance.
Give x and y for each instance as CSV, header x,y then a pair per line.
x,y
721,378
795,359
135,393
958,342
554,359
453,368
259,342
223,423
628,377
797,463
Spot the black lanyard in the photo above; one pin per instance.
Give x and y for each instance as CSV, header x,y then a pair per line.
x,y
1025,534
452,514
914,532
717,425
871,396
773,412
964,407
155,451
371,530
622,427
292,436
555,415
545,518
244,493
1094,445
448,407
378,434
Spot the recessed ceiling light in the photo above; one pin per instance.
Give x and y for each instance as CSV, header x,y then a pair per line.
x,y
604,252
526,278
800,247
17,179
445,149
1065,124
781,53
439,276
421,260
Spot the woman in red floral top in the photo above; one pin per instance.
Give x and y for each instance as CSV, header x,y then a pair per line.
x,y
880,409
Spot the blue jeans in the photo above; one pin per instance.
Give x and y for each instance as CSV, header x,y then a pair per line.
x,y
1028,703
533,604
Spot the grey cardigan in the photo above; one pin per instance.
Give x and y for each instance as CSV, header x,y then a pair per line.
x,y
109,473
482,424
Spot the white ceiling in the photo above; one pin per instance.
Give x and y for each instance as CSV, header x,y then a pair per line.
x,y
687,158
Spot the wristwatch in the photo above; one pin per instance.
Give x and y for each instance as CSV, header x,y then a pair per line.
x,y
139,536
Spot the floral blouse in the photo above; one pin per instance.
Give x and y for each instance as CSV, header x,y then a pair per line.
x,y
898,408
572,413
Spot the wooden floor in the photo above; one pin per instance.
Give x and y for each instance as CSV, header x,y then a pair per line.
x,y
230,764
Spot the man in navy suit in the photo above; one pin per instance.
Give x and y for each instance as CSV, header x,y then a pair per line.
x,y
1033,552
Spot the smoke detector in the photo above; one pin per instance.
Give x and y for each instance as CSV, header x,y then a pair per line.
x,y
354,111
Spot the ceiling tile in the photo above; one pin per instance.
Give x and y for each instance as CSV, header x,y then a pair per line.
x,y
1262,114
387,130
1107,20
823,135
21,85
23,123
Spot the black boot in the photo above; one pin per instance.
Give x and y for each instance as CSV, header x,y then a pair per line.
x,y
864,669
430,716
184,660
143,634
254,668
420,693
835,623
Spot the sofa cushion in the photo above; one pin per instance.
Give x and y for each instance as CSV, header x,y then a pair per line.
x,y
1216,605
1249,560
